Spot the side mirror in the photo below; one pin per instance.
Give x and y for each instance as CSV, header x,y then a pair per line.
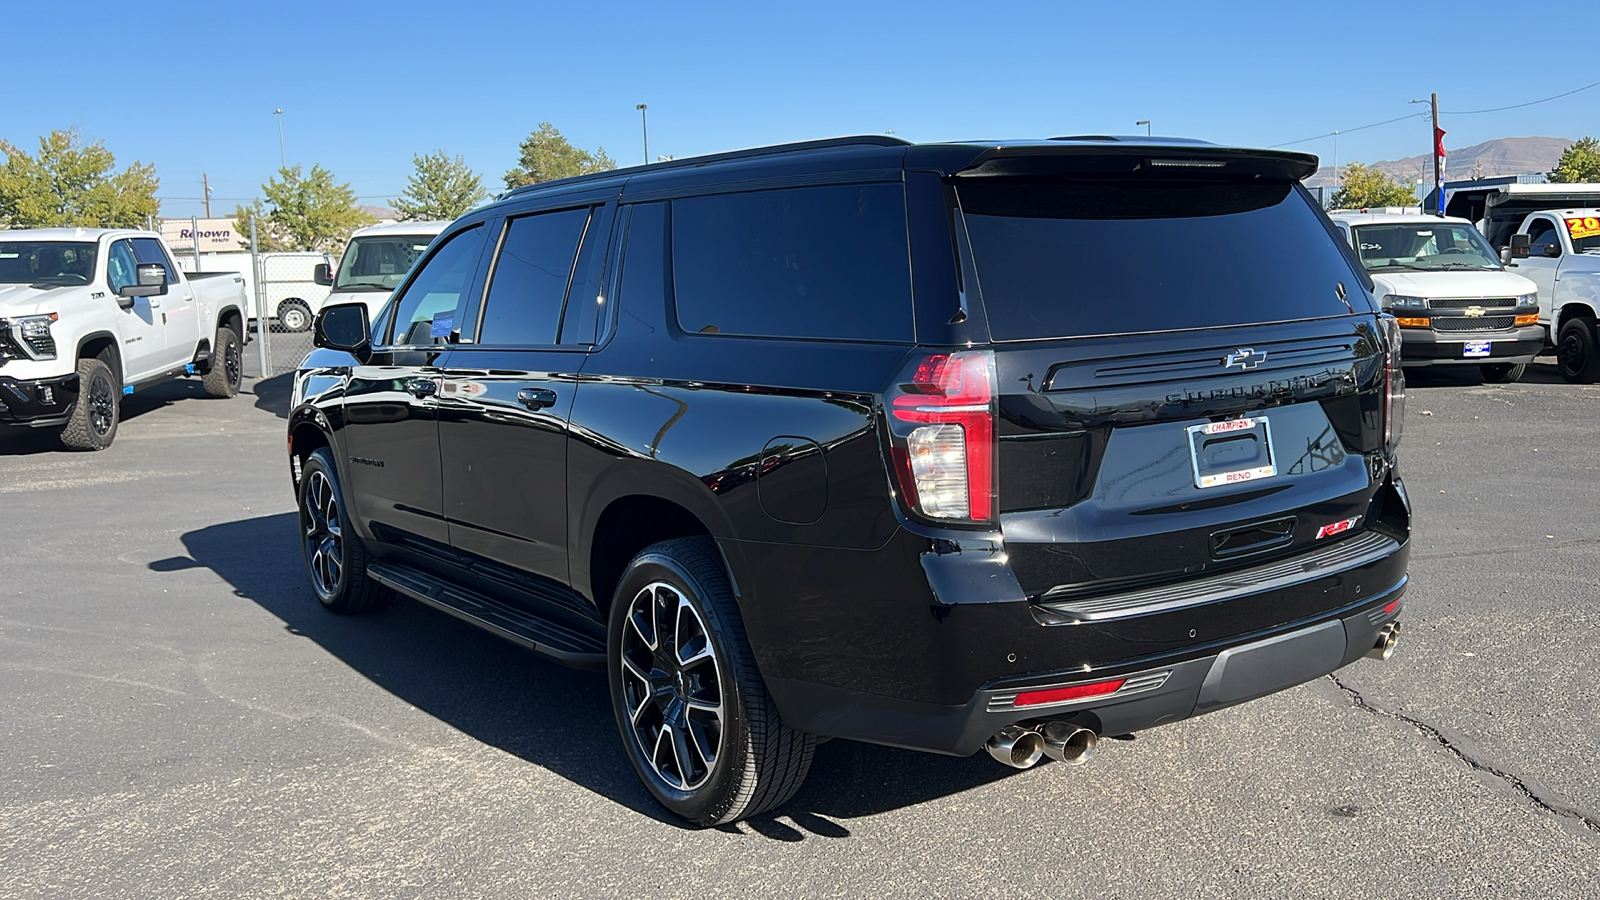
x,y
1519,246
150,280
1552,250
343,326
322,274
1505,256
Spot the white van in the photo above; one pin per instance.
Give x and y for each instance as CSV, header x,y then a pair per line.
x,y
1456,303
375,261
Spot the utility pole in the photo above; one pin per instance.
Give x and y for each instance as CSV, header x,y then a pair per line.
x,y
644,126
1438,159
283,158
205,182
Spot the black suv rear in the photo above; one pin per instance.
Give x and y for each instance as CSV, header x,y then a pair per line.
x,y
941,446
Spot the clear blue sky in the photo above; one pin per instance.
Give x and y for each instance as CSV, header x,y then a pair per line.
x,y
191,87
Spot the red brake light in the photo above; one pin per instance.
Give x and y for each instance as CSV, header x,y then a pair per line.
x,y
1075,692
946,464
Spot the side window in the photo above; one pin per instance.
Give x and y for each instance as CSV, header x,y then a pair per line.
x,y
425,313
817,262
149,250
530,277
643,279
120,266
1542,234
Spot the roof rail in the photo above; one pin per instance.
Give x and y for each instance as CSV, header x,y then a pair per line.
x,y
859,140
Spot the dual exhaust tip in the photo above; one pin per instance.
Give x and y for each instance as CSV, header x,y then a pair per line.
x,y
1022,747
1388,636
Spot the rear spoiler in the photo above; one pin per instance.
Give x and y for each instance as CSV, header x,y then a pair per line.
x,y
1107,158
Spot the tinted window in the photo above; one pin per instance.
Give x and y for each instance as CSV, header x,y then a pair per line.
x,y
1543,234
530,278
425,313
148,250
824,262
1066,259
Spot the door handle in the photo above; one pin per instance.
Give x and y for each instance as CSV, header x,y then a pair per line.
x,y
536,398
422,387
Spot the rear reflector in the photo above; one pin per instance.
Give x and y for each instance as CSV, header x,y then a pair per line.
x,y
1074,692
1393,605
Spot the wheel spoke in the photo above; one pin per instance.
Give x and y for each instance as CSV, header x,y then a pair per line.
x,y
680,755
635,616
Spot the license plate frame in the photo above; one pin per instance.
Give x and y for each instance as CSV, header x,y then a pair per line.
x,y
1209,473
1476,349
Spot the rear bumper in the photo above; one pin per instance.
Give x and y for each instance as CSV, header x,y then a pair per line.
x,y
1426,347
1154,692
37,402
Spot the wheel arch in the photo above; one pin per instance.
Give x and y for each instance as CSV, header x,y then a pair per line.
x,y
103,346
232,317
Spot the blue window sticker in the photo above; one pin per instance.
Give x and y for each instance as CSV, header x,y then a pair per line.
x,y
443,324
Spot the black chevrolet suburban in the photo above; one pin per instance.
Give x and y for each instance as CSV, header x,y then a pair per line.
x,y
941,446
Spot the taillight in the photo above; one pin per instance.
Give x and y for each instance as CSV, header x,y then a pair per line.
x,y
1394,384
942,420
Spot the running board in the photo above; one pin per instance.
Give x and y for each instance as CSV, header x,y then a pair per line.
x,y
562,644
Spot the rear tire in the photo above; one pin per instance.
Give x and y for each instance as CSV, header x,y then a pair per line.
x,y
93,425
1578,352
294,315
1503,373
703,734
223,378
335,557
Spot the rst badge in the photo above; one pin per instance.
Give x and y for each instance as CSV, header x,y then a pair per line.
x,y
1340,527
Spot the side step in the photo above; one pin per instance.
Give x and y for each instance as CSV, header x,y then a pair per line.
x,y
559,642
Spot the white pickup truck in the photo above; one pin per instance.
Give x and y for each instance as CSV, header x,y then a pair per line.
x,y
1455,302
1559,250
90,314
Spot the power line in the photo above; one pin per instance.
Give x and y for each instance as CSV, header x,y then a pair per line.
x,y
1349,130
1473,112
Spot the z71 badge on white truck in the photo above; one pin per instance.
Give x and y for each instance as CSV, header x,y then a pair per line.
x,y
88,315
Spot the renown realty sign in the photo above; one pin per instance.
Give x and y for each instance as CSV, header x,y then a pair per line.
x,y
216,235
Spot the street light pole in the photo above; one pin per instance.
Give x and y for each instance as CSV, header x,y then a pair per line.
x,y
1146,124
283,158
644,126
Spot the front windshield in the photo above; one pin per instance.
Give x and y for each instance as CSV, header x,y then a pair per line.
x,y
379,263
49,263
1424,246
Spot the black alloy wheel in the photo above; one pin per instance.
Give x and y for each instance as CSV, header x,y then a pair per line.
x,y
672,687
102,404
92,423
335,557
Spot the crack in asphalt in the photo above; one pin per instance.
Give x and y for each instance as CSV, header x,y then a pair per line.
x,y
1499,551
1561,810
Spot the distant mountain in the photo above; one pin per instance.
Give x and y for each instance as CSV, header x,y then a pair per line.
x,y
1502,156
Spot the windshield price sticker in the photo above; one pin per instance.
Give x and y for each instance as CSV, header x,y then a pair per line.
x,y
1588,226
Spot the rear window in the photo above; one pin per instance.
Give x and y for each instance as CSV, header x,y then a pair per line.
x,y
816,262
1062,258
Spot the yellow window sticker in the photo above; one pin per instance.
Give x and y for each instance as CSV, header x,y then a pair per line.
x,y
1589,226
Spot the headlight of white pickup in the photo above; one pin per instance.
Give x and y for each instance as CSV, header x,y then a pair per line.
x,y
1528,301
32,336
1397,302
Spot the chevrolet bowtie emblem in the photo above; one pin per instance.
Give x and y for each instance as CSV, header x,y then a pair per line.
x,y
1244,358
1473,312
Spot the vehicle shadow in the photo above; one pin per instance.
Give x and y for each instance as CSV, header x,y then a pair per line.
x,y
30,441
556,718
1542,371
273,394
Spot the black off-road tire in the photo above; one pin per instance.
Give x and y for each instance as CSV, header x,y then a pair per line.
x,y
93,425
1503,373
347,590
1578,352
294,316
222,380
761,762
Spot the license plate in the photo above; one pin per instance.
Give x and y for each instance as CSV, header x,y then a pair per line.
x,y
1475,348
1231,452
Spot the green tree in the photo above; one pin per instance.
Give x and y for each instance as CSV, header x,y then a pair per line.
x,y
1579,162
546,156
1364,187
440,188
74,185
269,237
308,211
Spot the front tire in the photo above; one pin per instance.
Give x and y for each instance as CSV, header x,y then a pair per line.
x,y
336,560
1502,373
294,315
1576,352
695,717
222,380
93,425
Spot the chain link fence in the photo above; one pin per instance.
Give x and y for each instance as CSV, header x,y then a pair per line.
x,y
286,299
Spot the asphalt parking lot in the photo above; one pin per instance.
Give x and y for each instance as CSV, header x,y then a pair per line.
x,y
180,719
